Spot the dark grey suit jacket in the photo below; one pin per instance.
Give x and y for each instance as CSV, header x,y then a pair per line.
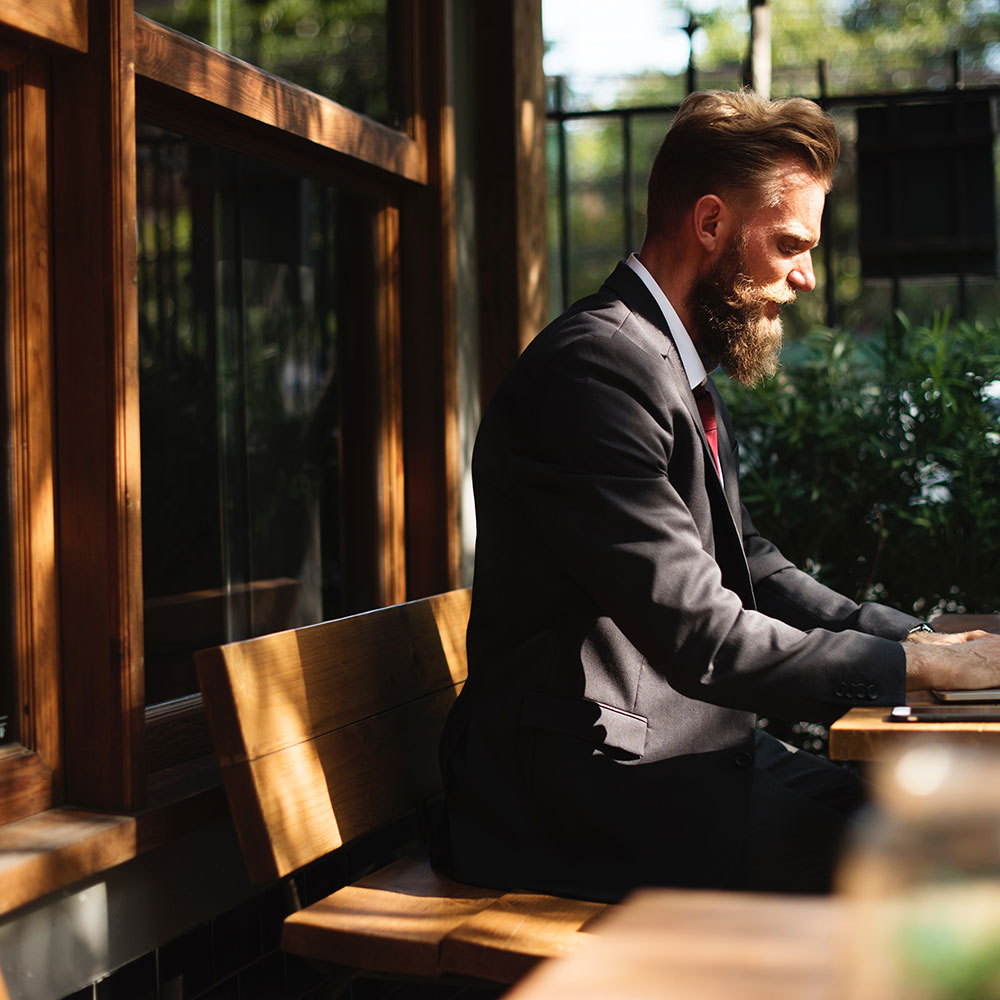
x,y
627,623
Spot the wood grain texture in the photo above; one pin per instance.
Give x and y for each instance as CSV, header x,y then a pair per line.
x,y
505,940
429,346
316,796
198,70
61,21
863,734
408,919
280,690
393,920
30,781
329,731
57,848
96,332
700,946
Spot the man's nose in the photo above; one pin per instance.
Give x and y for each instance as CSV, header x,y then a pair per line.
x,y
801,277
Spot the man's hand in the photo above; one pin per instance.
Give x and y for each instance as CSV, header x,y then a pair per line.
x,y
945,638
959,660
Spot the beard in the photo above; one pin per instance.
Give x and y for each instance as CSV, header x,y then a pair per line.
x,y
736,321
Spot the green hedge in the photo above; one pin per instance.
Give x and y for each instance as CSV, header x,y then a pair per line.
x,y
875,465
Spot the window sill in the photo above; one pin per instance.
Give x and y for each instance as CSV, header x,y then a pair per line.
x,y
57,848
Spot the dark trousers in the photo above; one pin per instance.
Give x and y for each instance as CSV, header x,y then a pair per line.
x,y
802,808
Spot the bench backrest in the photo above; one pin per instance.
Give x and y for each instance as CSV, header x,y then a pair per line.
x,y
326,732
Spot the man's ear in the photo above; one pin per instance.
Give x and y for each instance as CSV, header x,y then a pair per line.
x,y
711,218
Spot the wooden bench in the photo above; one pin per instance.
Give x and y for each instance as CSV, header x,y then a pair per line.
x,y
330,732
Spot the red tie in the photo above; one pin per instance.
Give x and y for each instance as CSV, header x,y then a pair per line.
x,y
706,408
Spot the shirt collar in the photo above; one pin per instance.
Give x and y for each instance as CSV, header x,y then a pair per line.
x,y
694,369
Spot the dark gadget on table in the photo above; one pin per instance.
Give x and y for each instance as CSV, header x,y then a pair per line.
x,y
945,713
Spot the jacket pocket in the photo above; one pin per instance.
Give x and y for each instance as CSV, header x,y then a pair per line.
x,y
618,733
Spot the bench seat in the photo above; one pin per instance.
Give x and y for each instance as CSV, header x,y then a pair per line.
x,y
409,920
329,733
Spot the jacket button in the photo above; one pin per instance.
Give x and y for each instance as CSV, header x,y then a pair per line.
x,y
839,690
743,759
872,692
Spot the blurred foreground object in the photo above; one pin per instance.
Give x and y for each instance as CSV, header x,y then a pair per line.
x,y
921,879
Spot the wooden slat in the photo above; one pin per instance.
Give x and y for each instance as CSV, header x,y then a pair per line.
x,y
280,690
295,805
409,919
393,921
60,21
192,68
505,940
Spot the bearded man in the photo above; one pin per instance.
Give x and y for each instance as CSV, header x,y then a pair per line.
x,y
628,621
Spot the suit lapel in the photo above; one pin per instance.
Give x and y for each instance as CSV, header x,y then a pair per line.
x,y
653,334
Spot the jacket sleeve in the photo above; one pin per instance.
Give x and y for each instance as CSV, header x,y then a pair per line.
x,y
792,596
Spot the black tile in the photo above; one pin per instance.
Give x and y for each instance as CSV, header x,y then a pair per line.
x,y
274,906
236,941
302,977
185,965
135,981
264,980
228,989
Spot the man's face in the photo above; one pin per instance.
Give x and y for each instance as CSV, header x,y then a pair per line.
x,y
736,305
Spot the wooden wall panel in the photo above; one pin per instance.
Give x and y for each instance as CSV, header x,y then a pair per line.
x,y
30,778
98,413
60,21
511,190
430,363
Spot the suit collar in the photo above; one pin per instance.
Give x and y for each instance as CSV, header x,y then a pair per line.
x,y
693,366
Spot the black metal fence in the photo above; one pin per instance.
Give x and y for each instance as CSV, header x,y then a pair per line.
x,y
910,224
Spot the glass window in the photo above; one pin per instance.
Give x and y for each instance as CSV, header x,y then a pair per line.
x,y
249,295
337,48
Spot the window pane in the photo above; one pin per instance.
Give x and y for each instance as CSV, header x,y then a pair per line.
x,y
337,48
247,282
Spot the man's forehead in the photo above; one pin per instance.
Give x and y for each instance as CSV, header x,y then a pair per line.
x,y
795,203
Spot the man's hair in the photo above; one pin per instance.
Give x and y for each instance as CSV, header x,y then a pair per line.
x,y
733,142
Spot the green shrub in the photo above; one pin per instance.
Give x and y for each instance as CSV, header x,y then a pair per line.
x,y
875,466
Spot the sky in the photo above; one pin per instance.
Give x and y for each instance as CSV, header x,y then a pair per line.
x,y
638,35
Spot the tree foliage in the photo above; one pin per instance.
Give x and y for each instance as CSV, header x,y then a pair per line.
x,y
876,465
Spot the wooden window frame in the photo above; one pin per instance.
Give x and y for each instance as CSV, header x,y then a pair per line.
x,y
189,87
31,769
61,21
78,549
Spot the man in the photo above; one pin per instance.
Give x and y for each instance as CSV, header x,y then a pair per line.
x,y
628,621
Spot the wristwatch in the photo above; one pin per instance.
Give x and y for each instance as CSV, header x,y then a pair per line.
x,y
922,627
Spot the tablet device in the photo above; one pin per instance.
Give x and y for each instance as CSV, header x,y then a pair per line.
x,y
983,694
944,713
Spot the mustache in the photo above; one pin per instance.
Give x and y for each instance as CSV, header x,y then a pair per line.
x,y
744,292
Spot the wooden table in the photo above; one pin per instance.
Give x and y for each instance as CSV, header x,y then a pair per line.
x,y
690,945
864,735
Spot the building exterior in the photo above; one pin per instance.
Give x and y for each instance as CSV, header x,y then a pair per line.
x,y
248,331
